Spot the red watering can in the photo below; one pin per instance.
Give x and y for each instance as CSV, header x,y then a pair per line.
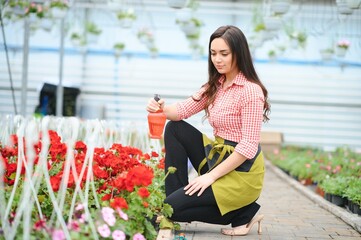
x,y
156,122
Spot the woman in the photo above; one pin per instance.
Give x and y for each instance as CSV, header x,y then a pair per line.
x,y
230,167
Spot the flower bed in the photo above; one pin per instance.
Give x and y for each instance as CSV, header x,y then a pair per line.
x,y
335,175
58,183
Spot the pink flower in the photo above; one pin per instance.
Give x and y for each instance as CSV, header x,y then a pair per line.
x,y
343,43
79,207
82,218
74,225
104,230
122,214
108,216
308,165
118,235
138,236
58,235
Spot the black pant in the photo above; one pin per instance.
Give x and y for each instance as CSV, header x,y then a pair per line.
x,y
183,142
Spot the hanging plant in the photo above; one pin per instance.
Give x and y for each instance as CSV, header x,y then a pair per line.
x,y
126,17
118,48
59,8
177,3
93,32
92,28
78,39
153,52
280,6
18,7
190,27
60,4
342,47
272,55
145,36
272,23
327,53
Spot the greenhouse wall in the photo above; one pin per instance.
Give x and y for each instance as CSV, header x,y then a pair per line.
x,y
313,102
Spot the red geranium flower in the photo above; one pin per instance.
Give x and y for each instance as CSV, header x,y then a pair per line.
x,y
143,192
119,202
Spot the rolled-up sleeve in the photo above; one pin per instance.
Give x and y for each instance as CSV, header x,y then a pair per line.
x,y
252,118
190,106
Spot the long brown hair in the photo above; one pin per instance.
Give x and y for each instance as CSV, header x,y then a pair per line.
x,y
238,45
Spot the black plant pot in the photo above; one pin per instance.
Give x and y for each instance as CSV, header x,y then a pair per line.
x,y
327,196
349,206
338,200
356,208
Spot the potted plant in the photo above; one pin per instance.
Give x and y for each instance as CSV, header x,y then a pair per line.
x,y
153,51
343,8
272,55
177,3
342,46
353,194
145,36
197,51
335,186
58,8
93,32
299,38
353,4
78,39
18,7
327,53
280,6
118,48
272,23
126,17
190,27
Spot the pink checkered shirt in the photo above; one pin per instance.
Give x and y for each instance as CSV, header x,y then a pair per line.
x,y
236,114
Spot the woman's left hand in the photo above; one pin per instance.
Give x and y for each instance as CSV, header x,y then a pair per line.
x,y
200,184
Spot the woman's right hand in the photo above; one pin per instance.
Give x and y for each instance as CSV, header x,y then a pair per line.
x,y
154,106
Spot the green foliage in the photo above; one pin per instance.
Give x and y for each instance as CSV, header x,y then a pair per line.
x,y
92,28
306,162
353,190
335,185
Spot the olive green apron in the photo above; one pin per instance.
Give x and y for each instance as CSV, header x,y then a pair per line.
x,y
239,187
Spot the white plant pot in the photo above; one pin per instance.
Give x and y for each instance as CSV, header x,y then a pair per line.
x,y
143,39
46,24
193,42
189,28
177,3
126,22
32,18
326,55
58,13
353,4
272,23
343,8
18,10
118,52
341,52
280,7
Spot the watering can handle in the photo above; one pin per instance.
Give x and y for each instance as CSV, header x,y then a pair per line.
x,y
156,97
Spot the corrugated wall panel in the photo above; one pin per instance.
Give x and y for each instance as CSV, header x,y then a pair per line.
x,y
311,105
